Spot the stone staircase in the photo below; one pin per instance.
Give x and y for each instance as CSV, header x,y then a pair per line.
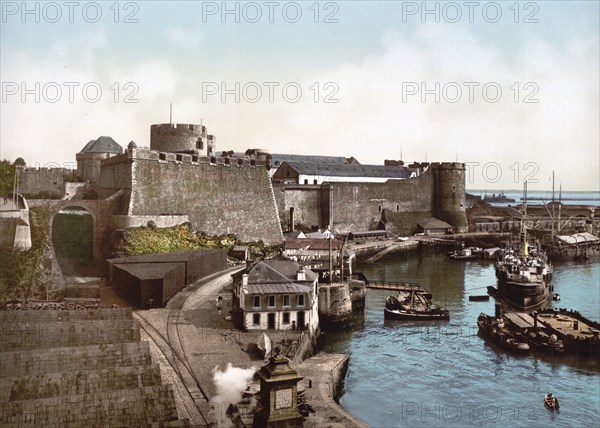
x,y
80,368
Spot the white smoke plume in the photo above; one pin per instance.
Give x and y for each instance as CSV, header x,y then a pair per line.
x,y
230,385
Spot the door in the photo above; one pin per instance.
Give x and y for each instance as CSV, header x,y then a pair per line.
x,y
271,321
301,319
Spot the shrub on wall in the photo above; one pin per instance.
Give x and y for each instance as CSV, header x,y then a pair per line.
x,y
151,239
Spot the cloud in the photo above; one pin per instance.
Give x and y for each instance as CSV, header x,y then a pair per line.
x,y
184,38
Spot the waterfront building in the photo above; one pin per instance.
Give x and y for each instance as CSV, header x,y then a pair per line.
x,y
275,294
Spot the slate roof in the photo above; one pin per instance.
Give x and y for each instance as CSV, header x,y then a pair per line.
x,y
433,223
278,159
102,145
349,170
279,288
277,271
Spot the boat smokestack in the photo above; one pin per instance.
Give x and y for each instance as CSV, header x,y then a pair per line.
x,y
498,311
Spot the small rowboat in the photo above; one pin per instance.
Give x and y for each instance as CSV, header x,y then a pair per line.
x,y
551,402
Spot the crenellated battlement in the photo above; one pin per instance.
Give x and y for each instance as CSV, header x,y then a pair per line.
x,y
181,137
448,165
177,129
146,154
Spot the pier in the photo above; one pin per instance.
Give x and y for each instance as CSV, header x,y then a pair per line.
x,y
399,286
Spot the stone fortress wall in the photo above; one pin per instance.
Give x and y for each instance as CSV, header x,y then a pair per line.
x,y
397,205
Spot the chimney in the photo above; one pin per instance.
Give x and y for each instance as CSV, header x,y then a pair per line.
x,y
245,280
301,274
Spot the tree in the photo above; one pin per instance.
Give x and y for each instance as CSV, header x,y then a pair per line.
x,y
7,174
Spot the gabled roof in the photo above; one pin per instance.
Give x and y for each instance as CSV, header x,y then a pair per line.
x,y
349,170
296,234
433,223
278,159
102,145
277,271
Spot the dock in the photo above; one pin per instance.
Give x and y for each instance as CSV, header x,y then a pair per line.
x,y
406,287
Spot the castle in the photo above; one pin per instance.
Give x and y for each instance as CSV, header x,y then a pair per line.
x,y
180,178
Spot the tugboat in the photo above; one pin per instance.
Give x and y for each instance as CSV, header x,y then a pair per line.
x,y
524,275
470,253
412,306
494,329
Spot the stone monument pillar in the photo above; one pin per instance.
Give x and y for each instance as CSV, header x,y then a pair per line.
x,y
277,405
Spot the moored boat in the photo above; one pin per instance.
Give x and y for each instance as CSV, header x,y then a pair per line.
x,y
524,275
495,330
412,306
535,333
470,253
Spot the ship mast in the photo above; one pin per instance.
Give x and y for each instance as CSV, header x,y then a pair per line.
x,y
524,249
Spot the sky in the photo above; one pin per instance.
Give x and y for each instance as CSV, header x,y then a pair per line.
x,y
509,88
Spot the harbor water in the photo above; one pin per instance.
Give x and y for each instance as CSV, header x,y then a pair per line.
x,y
443,373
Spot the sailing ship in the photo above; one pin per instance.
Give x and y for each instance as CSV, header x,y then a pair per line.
x,y
524,274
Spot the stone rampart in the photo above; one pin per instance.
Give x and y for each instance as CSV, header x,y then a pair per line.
x,y
359,206
219,198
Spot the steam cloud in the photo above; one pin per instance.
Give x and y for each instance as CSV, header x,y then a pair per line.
x,y
230,385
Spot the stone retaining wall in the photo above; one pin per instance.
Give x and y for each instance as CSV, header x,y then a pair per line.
x,y
80,368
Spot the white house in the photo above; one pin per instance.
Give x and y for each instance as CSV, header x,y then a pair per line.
x,y
275,294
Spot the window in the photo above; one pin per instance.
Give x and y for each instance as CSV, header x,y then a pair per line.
x,y
286,318
301,300
256,302
305,181
315,181
271,301
256,319
397,207
379,208
286,300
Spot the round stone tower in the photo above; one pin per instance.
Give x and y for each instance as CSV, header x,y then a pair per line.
x,y
181,138
449,194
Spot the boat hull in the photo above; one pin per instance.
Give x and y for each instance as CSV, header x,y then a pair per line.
x,y
501,336
523,297
408,315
